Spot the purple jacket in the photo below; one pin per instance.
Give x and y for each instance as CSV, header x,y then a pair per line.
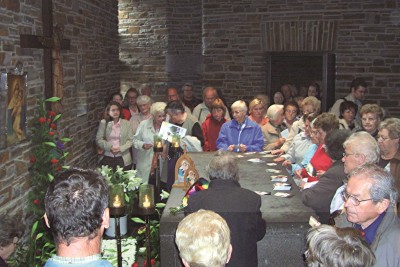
x,y
248,133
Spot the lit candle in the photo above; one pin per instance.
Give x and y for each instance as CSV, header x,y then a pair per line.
x,y
146,203
159,144
117,202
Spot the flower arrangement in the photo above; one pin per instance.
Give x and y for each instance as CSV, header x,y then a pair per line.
x,y
48,156
201,184
127,179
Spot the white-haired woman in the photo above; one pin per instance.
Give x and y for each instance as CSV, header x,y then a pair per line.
x,y
143,102
272,130
240,134
143,142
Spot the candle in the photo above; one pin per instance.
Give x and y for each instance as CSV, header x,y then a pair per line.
x,y
159,144
117,202
146,203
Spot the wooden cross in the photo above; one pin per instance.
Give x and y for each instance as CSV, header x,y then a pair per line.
x,y
52,44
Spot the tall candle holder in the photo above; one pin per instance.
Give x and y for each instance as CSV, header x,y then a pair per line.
x,y
147,208
117,210
158,148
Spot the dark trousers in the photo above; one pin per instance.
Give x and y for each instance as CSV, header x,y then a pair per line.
x,y
113,162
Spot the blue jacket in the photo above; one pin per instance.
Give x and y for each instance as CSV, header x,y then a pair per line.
x,y
248,133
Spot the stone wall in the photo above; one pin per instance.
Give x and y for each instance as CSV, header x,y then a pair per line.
x,y
235,37
91,69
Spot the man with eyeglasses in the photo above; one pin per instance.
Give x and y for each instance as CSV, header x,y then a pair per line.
x,y
370,198
359,149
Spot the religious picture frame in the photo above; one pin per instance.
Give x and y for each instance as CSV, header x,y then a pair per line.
x,y
13,108
185,169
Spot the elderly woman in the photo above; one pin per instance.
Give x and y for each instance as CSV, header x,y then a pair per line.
x,y
290,111
320,162
348,111
309,105
256,112
319,197
212,125
333,246
388,141
143,141
371,116
272,130
115,137
240,134
144,103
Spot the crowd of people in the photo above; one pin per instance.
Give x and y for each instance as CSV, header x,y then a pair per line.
x,y
322,151
346,163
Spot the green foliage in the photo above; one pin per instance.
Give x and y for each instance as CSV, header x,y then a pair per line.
x,y
47,159
154,234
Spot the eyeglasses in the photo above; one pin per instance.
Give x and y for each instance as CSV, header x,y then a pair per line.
x,y
348,154
291,111
381,138
355,201
314,132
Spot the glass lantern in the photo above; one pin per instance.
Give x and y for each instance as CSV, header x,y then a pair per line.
x,y
116,201
146,199
158,144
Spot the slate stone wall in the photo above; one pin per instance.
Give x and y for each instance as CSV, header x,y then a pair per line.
x,y
227,42
91,69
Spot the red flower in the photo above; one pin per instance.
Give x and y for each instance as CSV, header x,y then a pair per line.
x,y
32,160
54,161
42,120
51,133
153,262
135,264
48,120
52,113
53,126
36,202
58,168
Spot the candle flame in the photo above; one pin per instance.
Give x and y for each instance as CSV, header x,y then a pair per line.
x,y
146,203
117,202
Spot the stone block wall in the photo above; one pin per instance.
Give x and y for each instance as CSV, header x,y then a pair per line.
x,y
91,72
235,37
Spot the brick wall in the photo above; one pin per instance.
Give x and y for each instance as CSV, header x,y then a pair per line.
x,y
91,69
233,33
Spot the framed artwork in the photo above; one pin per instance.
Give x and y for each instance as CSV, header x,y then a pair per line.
x,y
186,173
13,108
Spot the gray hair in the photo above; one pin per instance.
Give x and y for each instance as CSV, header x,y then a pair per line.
x,y
157,107
392,125
362,143
223,166
273,111
240,104
337,247
143,99
382,183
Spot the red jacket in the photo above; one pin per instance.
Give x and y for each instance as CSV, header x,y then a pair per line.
x,y
320,162
211,128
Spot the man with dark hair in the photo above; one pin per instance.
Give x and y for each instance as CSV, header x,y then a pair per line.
x,y
358,89
76,212
172,94
238,206
189,99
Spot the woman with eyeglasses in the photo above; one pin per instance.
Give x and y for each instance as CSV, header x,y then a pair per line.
x,y
290,111
388,142
320,162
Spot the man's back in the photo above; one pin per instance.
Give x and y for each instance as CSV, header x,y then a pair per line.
x,y
241,210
